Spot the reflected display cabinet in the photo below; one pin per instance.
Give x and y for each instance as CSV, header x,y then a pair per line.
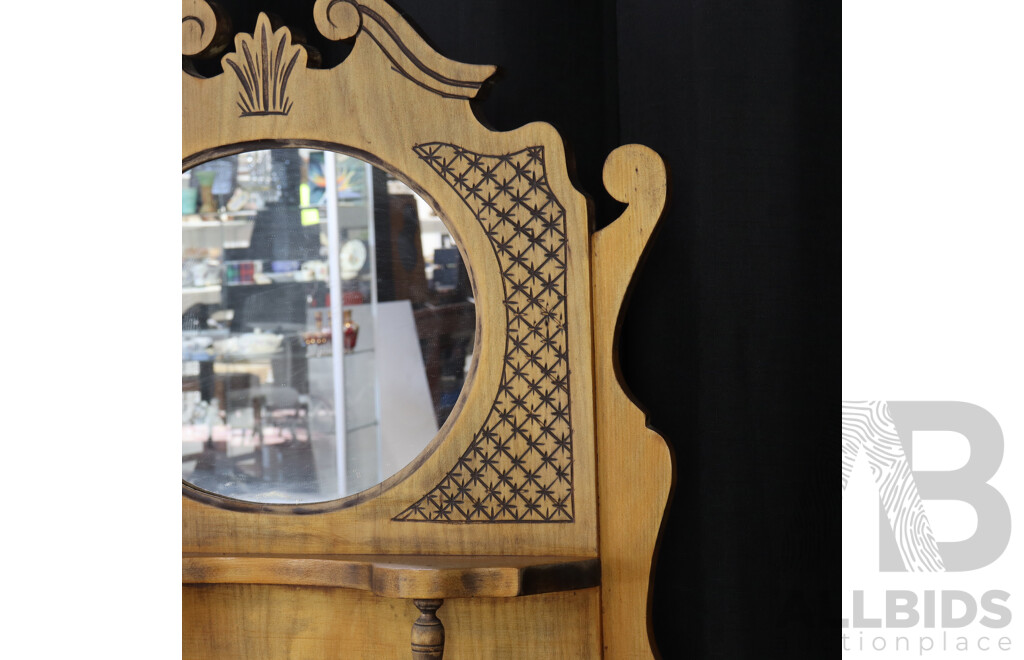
x,y
403,428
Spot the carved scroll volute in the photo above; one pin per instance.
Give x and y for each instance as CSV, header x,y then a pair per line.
x,y
205,29
409,54
336,19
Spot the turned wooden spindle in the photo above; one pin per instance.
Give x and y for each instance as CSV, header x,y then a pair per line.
x,y
427,631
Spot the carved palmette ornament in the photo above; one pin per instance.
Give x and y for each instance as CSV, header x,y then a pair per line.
x,y
263,63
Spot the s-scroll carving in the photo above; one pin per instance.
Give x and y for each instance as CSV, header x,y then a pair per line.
x,y
205,29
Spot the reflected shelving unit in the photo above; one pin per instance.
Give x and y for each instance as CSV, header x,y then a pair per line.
x,y
270,393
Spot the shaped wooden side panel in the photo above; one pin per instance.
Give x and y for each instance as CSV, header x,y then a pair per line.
x,y
634,467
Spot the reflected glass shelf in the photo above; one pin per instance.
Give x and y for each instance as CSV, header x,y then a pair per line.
x,y
262,357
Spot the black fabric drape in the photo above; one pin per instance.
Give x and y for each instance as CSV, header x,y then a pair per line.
x,y
732,338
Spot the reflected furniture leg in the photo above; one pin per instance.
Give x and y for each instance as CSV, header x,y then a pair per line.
x,y
427,631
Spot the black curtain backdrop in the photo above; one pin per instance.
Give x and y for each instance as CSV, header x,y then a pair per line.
x,y
731,340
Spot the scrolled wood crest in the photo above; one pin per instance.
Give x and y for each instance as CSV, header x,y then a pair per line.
x,y
409,55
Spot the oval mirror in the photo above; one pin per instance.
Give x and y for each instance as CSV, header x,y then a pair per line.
x,y
327,325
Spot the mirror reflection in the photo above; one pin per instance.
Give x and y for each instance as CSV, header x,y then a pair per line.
x,y
327,325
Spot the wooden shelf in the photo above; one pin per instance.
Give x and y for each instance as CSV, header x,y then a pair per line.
x,y
400,576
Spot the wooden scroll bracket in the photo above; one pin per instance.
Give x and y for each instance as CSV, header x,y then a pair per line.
x,y
634,468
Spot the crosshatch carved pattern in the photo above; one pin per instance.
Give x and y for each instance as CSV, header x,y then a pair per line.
x,y
518,467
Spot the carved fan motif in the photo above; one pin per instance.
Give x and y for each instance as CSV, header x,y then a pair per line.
x,y
263,64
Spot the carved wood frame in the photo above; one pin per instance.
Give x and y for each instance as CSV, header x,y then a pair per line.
x,y
542,431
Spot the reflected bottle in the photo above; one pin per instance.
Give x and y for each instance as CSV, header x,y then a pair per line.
x,y
205,179
351,331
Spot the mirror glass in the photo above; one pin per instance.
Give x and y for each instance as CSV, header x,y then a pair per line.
x,y
327,325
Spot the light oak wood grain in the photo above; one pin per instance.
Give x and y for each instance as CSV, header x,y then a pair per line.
x,y
635,465
400,576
